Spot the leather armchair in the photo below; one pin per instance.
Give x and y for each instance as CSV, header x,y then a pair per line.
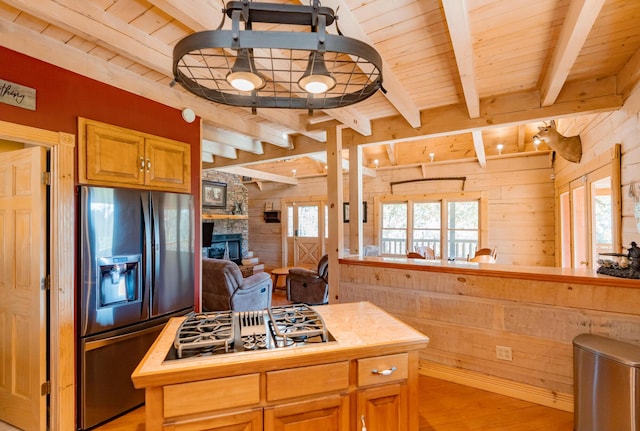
x,y
223,287
309,286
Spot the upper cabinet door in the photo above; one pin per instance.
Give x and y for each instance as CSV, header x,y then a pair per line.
x,y
168,164
114,156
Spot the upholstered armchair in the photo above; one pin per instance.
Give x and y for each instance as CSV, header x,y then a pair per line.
x,y
223,287
309,286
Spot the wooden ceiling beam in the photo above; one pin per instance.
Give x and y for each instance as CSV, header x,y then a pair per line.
x,y
392,152
478,145
232,139
578,22
258,175
584,97
217,149
521,130
457,15
302,146
396,94
198,15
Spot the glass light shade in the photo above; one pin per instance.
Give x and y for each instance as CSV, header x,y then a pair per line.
x,y
242,75
316,79
245,81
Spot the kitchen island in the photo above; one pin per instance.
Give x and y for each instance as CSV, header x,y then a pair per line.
x,y
368,374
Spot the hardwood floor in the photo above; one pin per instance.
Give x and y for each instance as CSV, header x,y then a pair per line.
x,y
446,406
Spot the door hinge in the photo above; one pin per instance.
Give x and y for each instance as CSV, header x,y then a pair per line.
x,y
46,178
47,282
45,388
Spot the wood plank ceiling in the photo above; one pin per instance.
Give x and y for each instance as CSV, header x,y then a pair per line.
x,y
461,75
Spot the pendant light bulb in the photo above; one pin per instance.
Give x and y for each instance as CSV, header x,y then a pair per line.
x,y
316,79
243,76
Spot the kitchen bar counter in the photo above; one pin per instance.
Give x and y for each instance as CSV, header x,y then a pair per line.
x,y
535,273
332,376
510,327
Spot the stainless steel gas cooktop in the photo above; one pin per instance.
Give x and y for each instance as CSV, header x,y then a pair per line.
x,y
220,332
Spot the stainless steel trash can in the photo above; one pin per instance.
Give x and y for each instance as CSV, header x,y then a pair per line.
x,y
606,384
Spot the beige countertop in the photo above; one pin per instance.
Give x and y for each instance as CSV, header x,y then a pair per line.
x,y
540,273
360,329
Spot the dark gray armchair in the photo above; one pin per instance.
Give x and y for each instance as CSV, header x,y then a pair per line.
x,y
223,287
308,286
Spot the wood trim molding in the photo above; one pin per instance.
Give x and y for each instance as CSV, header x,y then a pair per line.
x,y
62,216
498,385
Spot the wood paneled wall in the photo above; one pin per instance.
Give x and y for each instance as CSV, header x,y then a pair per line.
x,y
520,204
599,133
467,316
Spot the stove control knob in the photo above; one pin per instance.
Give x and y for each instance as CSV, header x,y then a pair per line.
x,y
384,372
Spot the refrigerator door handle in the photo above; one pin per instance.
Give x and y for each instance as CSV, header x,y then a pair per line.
x,y
156,243
146,213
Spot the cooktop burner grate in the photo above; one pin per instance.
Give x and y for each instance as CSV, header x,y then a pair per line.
x,y
206,331
295,322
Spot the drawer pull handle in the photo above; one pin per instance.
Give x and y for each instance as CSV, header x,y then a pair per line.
x,y
364,425
141,164
384,372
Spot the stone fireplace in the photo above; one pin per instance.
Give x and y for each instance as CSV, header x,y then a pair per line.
x,y
219,223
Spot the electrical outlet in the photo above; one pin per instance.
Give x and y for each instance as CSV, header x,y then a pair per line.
x,y
504,353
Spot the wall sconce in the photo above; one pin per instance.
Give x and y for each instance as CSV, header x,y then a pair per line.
x,y
500,147
294,172
432,156
376,163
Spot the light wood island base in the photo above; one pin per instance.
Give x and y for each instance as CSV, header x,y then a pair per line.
x,y
327,386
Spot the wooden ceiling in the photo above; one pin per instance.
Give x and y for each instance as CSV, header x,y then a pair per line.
x,y
461,75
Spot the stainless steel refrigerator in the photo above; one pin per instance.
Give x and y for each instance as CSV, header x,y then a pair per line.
x,y
136,268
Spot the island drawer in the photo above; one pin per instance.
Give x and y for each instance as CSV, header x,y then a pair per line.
x,y
383,369
315,379
204,396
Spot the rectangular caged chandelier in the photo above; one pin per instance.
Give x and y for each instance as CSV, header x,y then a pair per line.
x,y
277,69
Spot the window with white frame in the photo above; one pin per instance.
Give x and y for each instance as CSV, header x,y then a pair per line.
x,y
451,227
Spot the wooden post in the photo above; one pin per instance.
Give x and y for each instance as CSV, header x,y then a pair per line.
x,y
355,200
335,246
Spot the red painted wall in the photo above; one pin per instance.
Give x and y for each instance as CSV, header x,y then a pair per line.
x,y
63,96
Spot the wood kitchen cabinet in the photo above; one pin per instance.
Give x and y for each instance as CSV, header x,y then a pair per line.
x,y
329,413
382,397
115,156
383,408
241,421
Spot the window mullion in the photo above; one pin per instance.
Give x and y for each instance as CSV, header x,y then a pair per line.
x,y
409,232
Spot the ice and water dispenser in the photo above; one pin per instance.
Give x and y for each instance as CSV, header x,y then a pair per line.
x,y
120,279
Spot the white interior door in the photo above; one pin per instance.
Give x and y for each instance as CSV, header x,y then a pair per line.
x,y
308,225
23,311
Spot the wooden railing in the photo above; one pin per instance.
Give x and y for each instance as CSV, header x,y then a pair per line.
x,y
395,246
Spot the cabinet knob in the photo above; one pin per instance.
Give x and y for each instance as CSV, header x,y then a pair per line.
x,y
387,372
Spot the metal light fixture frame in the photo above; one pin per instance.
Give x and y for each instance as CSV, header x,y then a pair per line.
x,y
202,60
